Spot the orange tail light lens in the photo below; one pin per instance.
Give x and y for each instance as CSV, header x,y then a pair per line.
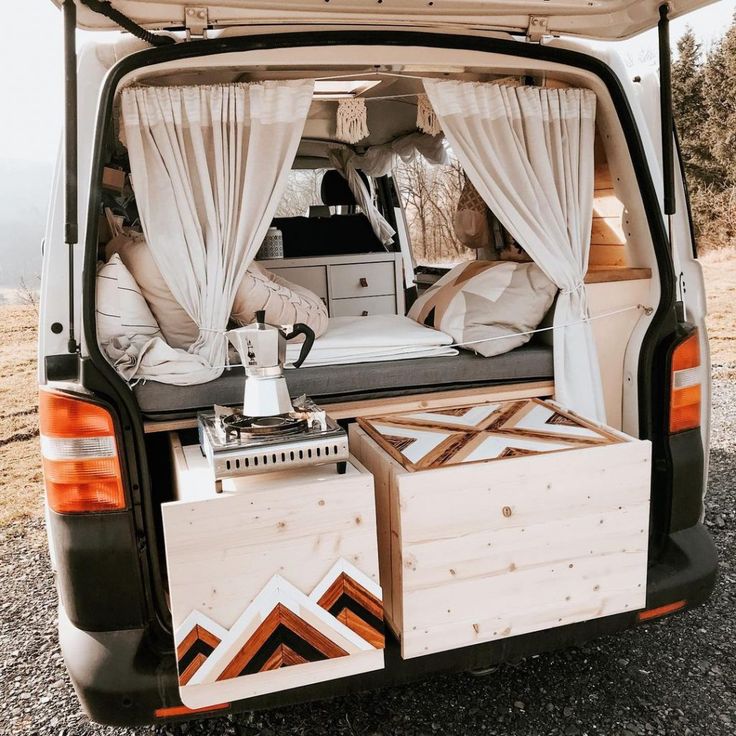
x,y
80,461
686,390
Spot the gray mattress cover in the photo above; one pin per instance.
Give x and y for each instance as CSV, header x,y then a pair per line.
x,y
357,381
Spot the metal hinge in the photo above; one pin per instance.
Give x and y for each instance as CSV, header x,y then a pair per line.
x,y
196,21
538,27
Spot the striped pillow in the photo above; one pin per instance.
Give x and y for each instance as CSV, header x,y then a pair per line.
x,y
120,306
479,300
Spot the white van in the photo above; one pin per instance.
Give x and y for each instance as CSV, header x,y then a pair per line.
x,y
507,440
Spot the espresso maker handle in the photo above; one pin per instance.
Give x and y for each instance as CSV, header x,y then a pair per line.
x,y
301,329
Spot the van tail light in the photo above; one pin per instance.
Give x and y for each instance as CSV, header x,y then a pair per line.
x,y
685,394
80,460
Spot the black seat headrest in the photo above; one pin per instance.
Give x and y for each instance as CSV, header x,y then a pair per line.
x,y
335,190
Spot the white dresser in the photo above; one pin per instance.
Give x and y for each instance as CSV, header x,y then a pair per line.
x,y
351,285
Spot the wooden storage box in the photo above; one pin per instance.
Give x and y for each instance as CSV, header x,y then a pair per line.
x,y
502,519
273,582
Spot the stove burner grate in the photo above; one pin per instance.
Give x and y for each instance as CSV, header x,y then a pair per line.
x,y
284,425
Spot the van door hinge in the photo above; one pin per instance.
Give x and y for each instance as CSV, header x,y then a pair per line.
x,y
538,27
196,21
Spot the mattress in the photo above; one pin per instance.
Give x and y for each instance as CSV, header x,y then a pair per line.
x,y
357,380
378,337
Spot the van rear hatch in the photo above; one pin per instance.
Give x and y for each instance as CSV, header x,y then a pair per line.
x,y
601,19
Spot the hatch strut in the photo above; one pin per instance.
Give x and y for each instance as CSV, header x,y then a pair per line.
x,y
104,7
665,103
71,225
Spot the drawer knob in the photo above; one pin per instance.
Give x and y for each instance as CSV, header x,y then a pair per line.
x,y
365,313
507,511
363,281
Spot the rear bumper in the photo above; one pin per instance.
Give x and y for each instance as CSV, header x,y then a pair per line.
x,y
122,679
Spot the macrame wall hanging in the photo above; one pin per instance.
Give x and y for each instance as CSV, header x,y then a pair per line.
x,y
427,120
352,120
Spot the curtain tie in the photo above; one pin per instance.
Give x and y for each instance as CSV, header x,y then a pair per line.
x,y
579,286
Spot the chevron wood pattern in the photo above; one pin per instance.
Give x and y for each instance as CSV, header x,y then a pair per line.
x,y
193,650
274,584
283,627
480,433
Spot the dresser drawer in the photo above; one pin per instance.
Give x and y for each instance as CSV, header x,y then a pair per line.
x,y
362,279
363,306
313,278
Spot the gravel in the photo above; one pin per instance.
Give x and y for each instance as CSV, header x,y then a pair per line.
x,y
676,676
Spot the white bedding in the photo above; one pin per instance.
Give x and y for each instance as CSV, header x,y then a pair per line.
x,y
372,339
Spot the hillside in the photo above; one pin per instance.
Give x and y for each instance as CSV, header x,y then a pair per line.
x,y
24,192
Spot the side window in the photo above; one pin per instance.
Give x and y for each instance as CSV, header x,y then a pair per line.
x,y
302,192
429,194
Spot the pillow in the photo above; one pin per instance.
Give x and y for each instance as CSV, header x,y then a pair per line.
x,y
285,303
484,299
178,328
121,309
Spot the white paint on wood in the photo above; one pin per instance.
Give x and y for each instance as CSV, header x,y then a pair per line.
x,y
201,696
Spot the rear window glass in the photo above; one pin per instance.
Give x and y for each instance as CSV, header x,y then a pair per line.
x,y
302,192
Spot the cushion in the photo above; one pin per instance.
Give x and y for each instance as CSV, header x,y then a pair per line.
x,y
487,299
121,309
285,303
178,328
357,381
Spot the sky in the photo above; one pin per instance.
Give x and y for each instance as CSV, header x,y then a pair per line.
x,y
31,74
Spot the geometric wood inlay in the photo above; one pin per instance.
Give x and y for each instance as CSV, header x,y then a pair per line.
x,y
193,651
348,601
283,627
400,443
481,433
282,639
561,419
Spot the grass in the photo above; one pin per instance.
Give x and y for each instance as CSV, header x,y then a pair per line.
x,y
19,452
22,489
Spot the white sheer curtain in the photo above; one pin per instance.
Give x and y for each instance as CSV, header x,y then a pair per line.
x,y
529,153
343,160
208,167
383,158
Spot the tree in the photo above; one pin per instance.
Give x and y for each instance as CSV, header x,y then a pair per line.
x,y
720,105
688,96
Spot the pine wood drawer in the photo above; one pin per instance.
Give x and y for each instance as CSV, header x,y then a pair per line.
x,y
480,551
277,570
363,306
362,279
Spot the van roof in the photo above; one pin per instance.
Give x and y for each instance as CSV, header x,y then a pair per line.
x,y
597,19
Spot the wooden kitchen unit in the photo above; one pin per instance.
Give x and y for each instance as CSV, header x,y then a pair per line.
x,y
273,580
499,519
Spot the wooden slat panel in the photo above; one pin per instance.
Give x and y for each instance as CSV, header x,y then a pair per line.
x,y
607,231
484,551
607,204
608,255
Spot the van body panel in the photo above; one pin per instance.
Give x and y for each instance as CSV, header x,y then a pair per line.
x,y
123,677
604,19
126,669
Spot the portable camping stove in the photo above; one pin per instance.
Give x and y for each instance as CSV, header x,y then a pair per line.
x,y
237,445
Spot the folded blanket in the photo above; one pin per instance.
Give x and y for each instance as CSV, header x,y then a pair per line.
x,y
372,339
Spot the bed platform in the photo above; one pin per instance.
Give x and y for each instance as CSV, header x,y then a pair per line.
x,y
532,362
